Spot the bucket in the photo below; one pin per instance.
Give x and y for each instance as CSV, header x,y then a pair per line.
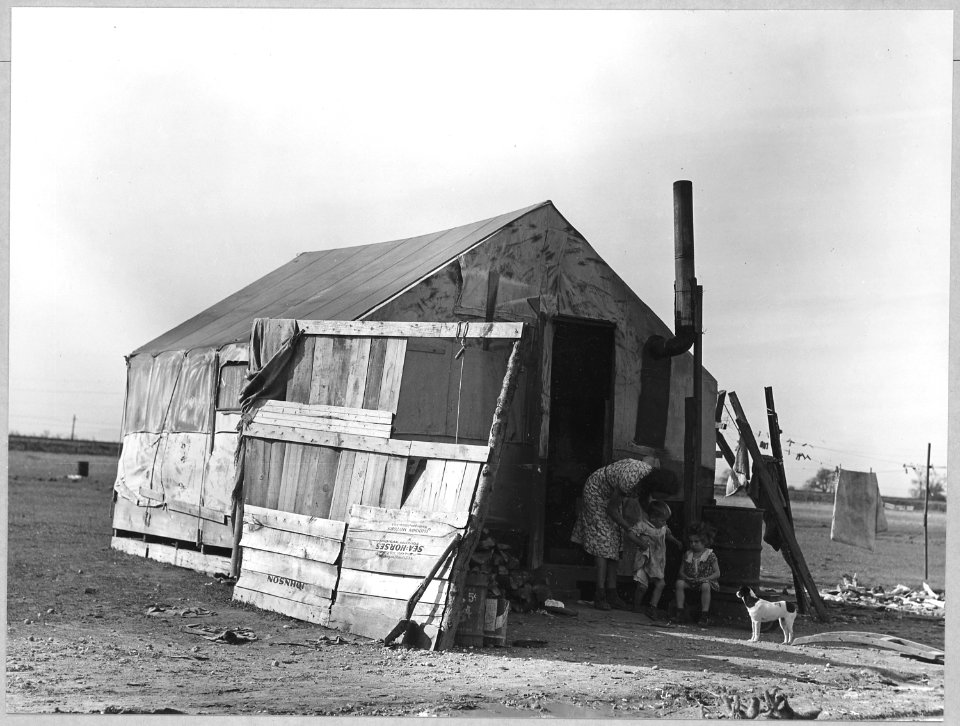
x,y
737,544
473,616
495,621
83,468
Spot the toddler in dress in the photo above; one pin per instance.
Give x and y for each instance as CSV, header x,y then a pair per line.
x,y
650,534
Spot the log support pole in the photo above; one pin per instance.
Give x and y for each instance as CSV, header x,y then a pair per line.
x,y
481,501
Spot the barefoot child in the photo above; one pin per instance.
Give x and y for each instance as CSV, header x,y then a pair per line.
x,y
699,571
650,534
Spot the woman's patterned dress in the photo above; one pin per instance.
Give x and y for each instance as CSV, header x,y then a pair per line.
x,y
594,530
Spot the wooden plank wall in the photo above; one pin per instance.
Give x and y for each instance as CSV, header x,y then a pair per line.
x,y
446,485
350,469
339,386
289,563
386,555
351,372
324,456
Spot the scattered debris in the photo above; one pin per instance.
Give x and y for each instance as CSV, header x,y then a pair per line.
x,y
318,643
134,709
907,648
559,609
231,636
924,601
774,705
168,611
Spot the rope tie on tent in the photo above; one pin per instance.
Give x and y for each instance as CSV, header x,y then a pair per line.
x,y
462,337
163,421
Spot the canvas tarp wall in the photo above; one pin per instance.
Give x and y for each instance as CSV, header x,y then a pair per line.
x,y
178,444
340,519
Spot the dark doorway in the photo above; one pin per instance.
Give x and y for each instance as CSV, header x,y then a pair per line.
x,y
581,404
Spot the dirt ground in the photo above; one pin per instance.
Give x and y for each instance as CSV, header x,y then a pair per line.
x,y
79,640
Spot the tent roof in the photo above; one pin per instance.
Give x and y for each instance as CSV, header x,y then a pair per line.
x,y
339,284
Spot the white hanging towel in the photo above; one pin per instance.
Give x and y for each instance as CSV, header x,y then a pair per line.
x,y
740,473
857,509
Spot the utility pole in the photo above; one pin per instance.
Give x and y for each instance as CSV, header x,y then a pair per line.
x,y
73,426
926,504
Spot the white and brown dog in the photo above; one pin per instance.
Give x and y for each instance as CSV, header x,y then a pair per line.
x,y
764,611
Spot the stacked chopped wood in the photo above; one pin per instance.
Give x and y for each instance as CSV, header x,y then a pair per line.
x,y
922,601
505,575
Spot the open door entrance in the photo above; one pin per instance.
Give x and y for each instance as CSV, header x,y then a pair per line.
x,y
581,406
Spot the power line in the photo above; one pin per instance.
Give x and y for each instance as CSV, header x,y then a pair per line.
x,y
792,443
98,392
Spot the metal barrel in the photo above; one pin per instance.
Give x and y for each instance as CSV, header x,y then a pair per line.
x,y
83,468
737,544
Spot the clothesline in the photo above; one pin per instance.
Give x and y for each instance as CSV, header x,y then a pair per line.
x,y
730,421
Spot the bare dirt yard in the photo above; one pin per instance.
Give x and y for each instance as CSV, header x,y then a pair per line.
x,y
80,640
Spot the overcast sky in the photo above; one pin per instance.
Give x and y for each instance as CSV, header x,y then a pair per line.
x,y
162,159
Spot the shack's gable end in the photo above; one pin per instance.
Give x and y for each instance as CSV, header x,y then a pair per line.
x,y
540,264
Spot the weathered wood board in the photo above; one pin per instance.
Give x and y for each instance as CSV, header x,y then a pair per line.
x,y
190,559
446,485
340,419
386,555
289,562
410,330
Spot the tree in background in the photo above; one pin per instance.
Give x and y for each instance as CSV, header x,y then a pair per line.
x,y
938,483
825,480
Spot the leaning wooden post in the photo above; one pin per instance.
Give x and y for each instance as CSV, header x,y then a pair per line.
x,y
240,460
725,449
773,422
774,496
481,500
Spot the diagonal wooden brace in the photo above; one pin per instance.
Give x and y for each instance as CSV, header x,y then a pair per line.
x,y
775,497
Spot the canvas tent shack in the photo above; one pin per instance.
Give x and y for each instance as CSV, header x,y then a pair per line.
x,y
585,392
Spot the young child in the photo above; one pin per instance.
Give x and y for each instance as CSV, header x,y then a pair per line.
x,y
699,571
650,534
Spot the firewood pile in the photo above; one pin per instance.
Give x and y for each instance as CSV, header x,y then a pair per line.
x,y
902,599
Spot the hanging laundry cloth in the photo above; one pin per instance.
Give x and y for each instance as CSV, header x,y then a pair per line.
x,y
740,473
771,527
857,510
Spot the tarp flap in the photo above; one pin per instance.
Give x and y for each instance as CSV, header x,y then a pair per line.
x,y
272,346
